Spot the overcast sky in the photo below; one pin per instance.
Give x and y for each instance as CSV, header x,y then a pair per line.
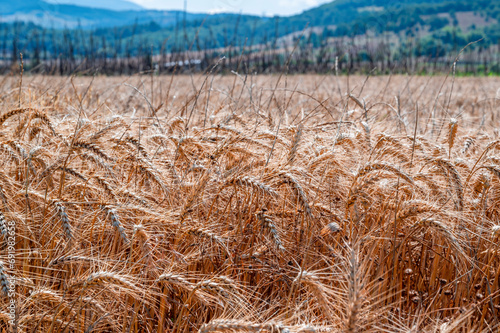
x,y
258,7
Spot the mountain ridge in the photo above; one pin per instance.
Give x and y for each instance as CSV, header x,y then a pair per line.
x,y
339,13
117,5
59,16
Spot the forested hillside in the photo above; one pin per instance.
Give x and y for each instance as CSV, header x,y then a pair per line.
x,y
368,31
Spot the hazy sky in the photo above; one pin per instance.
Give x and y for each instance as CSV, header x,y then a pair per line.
x,y
258,7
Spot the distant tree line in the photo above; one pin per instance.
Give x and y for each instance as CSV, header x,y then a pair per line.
x,y
144,48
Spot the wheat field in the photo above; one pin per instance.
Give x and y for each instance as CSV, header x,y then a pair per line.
x,y
250,203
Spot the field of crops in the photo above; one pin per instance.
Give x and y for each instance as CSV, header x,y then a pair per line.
x,y
249,203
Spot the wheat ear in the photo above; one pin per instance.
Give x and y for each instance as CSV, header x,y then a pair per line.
x,y
3,225
370,167
93,148
101,278
268,223
295,145
452,134
299,191
115,222
12,113
453,177
238,325
251,182
4,280
61,211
